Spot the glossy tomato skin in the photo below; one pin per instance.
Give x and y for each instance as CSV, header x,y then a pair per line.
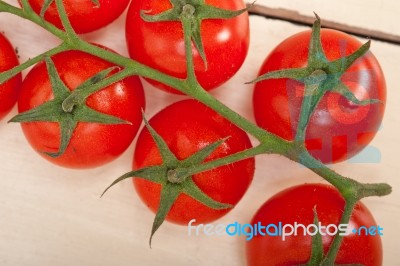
x,y
92,144
84,15
296,204
161,46
9,89
338,128
187,126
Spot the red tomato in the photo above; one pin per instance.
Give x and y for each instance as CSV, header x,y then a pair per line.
x,y
160,45
338,129
296,205
9,89
84,15
91,144
188,126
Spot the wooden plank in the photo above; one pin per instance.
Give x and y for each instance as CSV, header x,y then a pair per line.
x,y
54,216
297,18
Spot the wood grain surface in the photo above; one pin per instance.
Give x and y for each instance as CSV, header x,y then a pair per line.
x,y
54,216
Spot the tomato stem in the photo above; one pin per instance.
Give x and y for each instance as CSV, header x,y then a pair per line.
x,y
64,20
317,250
4,76
337,240
193,12
94,84
187,29
312,96
318,72
26,12
177,176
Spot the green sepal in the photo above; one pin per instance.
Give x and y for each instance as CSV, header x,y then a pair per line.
x,y
192,190
42,113
168,157
291,73
52,111
342,64
319,77
67,127
173,184
202,154
194,11
317,247
171,190
154,174
46,5
198,41
179,174
86,114
169,194
83,91
57,85
316,54
343,90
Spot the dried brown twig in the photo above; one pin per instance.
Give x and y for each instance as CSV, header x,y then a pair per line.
x,y
297,18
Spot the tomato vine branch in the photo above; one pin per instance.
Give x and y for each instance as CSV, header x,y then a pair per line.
x,y
351,190
4,76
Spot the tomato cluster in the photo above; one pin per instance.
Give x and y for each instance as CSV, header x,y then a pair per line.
x,y
338,128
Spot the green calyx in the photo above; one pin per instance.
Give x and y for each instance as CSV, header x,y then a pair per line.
x,y
172,178
319,77
68,108
317,248
194,11
46,5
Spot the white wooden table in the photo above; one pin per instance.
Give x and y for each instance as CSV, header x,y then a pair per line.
x,y
54,216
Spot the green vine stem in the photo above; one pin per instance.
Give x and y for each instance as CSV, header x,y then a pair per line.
x,y
351,190
4,76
